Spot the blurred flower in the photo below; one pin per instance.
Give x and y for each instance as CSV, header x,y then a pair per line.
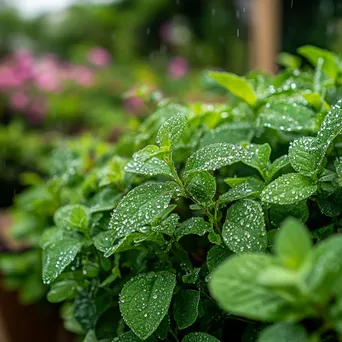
x,y
18,100
175,32
37,112
99,56
134,105
8,77
83,76
47,81
178,67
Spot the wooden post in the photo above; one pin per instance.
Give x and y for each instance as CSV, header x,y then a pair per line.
x,y
264,34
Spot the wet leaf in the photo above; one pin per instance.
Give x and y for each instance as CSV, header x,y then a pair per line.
x,y
199,337
277,165
251,187
145,300
57,256
202,187
244,229
74,216
149,162
171,130
134,212
236,85
289,188
279,212
257,156
62,290
185,308
331,125
193,226
213,157
306,155
287,116
228,133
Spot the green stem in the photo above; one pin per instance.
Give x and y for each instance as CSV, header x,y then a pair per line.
x,y
174,335
267,217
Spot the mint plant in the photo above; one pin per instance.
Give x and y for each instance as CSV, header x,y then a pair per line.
x,y
173,232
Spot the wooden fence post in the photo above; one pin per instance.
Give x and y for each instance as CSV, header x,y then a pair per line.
x,y
264,34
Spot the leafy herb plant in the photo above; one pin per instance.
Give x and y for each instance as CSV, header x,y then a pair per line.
x,y
173,233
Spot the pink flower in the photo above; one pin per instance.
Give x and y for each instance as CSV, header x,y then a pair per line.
x,y
83,76
47,81
134,105
99,56
8,77
18,100
178,67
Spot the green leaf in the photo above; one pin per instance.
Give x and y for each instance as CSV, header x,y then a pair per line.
x,y
236,85
91,337
171,130
279,277
289,61
213,157
313,54
131,337
163,328
251,187
257,156
168,226
338,166
331,125
326,269
131,241
279,212
306,155
277,165
135,211
57,256
330,203
145,300
234,284
104,200
234,181
287,116
283,332
202,187
193,226
148,162
85,310
214,238
62,290
233,133
293,244
289,188
244,229
216,256
74,216
199,337
185,308
192,276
